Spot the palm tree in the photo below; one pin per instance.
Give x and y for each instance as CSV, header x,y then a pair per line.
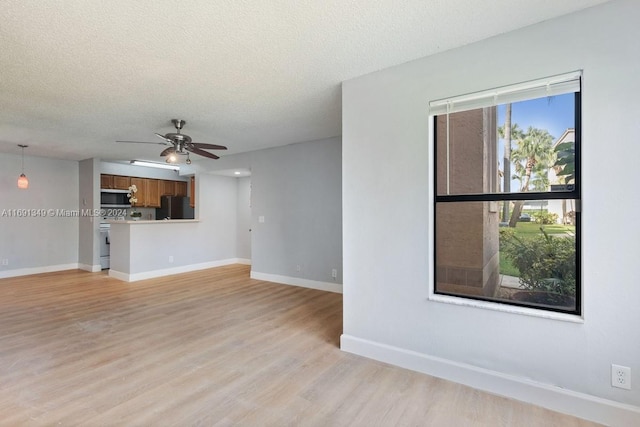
x,y
507,132
565,168
532,157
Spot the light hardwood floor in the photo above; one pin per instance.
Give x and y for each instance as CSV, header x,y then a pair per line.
x,y
212,347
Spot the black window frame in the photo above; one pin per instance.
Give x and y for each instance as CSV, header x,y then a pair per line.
x,y
573,192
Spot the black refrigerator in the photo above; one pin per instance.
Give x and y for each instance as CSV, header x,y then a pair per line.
x,y
174,207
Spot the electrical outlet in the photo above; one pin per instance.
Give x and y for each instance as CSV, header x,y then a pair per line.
x,y
170,258
298,268
5,261
621,377
334,273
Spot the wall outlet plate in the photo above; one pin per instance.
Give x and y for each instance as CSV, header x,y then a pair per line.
x,y
621,377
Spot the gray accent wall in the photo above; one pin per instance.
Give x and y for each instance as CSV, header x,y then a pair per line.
x,y
297,189
38,241
89,227
243,246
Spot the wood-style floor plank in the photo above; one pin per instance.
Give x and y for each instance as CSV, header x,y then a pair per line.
x,y
212,347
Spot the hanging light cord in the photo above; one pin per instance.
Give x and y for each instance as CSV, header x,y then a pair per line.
x,y
23,147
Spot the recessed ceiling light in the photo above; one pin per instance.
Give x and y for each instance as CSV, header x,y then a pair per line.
x,y
237,172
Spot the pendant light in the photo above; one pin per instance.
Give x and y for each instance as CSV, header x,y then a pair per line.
x,y
23,182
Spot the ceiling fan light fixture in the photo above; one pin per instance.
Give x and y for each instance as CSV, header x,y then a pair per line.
x,y
172,158
23,181
188,161
181,144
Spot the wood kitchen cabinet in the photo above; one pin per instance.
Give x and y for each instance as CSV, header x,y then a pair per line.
x,y
173,188
141,194
149,190
121,182
106,181
192,192
167,188
115,182
148,194
181,188
153,193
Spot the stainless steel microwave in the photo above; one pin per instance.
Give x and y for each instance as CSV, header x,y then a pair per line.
x,y
114,198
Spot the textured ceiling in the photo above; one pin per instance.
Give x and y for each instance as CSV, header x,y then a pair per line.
x,y
76,75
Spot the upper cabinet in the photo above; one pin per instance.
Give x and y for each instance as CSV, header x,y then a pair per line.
x,y
192,193
173,188
148,193
153,193
106,181
149,190
167,188
121,182
181,188
141,194
115,182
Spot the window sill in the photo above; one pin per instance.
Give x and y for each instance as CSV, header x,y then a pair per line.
x,y
505,308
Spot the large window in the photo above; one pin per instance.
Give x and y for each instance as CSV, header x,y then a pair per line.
x,y
507,195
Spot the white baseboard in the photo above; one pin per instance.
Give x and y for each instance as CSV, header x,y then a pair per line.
x,y
243,261
92,268
297,281
551,397
37,270
127,277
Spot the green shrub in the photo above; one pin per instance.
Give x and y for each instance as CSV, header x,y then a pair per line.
x,y
545,217
506,235
545,263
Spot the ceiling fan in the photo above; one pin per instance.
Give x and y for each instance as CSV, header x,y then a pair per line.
x,y
181,144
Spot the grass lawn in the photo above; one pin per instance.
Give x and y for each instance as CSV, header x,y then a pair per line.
x,y
526,230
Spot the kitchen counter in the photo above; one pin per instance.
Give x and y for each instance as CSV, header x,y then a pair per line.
x,y
146,248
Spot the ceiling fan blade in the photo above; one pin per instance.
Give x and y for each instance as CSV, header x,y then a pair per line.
x,y
168,151
162,137
144,142
196,150
208,146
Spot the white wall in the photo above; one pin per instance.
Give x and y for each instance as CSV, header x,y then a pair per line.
x,y
387,235
243,245
44,243
297,189
89,230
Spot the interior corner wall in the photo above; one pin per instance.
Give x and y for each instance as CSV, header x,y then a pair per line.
x,y
89,226
386,208
296,189
42,240
243,245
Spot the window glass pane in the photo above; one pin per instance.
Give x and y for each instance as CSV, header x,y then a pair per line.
x,y
532,263
527,146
